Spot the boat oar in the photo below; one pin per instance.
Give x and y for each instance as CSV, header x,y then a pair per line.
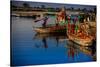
x,y
37,21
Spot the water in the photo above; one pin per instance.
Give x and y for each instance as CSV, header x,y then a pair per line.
x,y
29,48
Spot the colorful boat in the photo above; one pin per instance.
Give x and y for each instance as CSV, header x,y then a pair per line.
x,y
83,42
53,29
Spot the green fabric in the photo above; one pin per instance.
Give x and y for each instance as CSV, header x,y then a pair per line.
x,y
76,28
66,22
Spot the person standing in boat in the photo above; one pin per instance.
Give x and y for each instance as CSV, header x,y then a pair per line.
x,y
61,16
69,25
45,19
76,25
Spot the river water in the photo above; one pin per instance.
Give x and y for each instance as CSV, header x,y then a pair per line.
x,y
30,48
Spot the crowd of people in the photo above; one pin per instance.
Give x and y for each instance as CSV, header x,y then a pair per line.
x,y
74,26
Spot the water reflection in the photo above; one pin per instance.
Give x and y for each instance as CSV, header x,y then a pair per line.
x,y
72,48
43,37
45,42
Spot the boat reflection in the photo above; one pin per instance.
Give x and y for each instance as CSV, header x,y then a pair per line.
x,y
73,49
57,38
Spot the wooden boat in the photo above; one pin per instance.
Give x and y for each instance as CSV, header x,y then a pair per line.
x,y
52,29
83,42
42,30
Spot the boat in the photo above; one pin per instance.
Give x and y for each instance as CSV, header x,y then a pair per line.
x,y
52,29
80,41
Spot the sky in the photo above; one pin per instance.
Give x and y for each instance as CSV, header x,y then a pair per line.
x,y
54,5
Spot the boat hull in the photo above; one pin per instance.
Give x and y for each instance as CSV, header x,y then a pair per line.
x,y
54,29
79,41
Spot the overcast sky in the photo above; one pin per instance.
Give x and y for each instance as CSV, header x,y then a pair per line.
x,y
37,4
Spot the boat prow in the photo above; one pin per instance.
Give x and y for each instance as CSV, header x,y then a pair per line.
x,y
41,30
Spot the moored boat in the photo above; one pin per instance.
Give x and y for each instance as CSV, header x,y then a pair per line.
x,y
81,41
53,29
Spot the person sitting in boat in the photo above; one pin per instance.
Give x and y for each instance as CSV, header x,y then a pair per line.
x,y
61,16
45,19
